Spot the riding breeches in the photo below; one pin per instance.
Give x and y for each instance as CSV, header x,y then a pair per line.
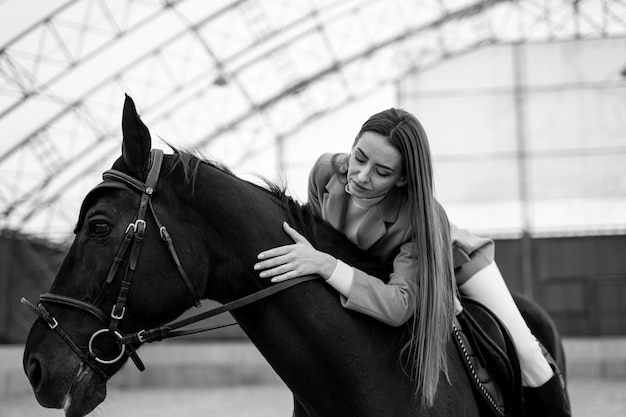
x,y
488,288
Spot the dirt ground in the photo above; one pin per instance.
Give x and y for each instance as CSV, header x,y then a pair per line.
x,y
590,398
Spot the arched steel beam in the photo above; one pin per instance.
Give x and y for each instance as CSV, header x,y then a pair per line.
x,y
243,117
13,73
303,84
79,101
78,104
268,103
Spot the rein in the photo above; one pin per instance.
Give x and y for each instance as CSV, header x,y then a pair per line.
x,y
133,240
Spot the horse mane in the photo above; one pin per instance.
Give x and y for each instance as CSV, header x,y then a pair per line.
x,y
301,216
191,162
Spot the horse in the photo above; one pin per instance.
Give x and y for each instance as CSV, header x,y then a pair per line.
x,y
162,232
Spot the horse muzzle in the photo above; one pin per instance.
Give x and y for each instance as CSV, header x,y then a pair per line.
x,y
58,378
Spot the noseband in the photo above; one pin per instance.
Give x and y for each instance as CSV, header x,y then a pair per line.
x,y
133,240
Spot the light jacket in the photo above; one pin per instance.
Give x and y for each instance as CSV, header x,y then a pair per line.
x,y
385,233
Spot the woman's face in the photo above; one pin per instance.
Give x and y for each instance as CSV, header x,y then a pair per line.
x,y
375,167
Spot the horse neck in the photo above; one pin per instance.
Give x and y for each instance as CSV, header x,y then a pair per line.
x,y
248,220
304,329
240,220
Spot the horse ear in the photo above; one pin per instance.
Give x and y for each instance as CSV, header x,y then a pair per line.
x,y
136,143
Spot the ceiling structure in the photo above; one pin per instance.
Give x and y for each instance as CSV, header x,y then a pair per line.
x,y
233,78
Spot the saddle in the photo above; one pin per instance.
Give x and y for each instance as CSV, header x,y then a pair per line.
x,y
487,350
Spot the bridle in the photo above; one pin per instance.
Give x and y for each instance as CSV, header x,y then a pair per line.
x,y
129,250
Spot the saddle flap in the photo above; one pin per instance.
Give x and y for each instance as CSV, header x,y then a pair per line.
x,y
488,351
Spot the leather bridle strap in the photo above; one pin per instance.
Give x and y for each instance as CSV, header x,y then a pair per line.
x,y
41,311
115,266
167,331
165,237
146,190
72,302
139,228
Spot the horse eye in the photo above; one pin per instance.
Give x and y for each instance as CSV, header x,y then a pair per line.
x,y
100,229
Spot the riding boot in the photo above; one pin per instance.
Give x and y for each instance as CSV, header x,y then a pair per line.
x,y
548,400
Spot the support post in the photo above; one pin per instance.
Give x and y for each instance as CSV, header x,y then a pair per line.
x,y
519,88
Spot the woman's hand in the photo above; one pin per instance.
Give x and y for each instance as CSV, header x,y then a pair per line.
x,y
292,261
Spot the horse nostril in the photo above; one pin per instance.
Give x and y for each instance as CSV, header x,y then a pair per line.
x,y
49,393
34,373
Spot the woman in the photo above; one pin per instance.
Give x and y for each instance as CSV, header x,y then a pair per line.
x,y
381,197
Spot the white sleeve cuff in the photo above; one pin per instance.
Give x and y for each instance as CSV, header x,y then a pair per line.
x,y
341,278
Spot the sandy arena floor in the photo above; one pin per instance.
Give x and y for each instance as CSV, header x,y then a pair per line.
x,y
590,398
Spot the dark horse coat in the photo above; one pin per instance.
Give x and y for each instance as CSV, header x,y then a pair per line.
x,y
336,362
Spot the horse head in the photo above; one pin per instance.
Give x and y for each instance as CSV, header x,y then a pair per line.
x,y
121,274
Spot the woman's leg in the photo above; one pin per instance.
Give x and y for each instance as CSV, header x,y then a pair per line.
x,y
488,288
543,393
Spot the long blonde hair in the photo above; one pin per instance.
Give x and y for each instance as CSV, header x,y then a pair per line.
x,y
425,353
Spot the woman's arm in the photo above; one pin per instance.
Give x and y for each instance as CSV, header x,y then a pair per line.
x,y
471,253
292,261
392,303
